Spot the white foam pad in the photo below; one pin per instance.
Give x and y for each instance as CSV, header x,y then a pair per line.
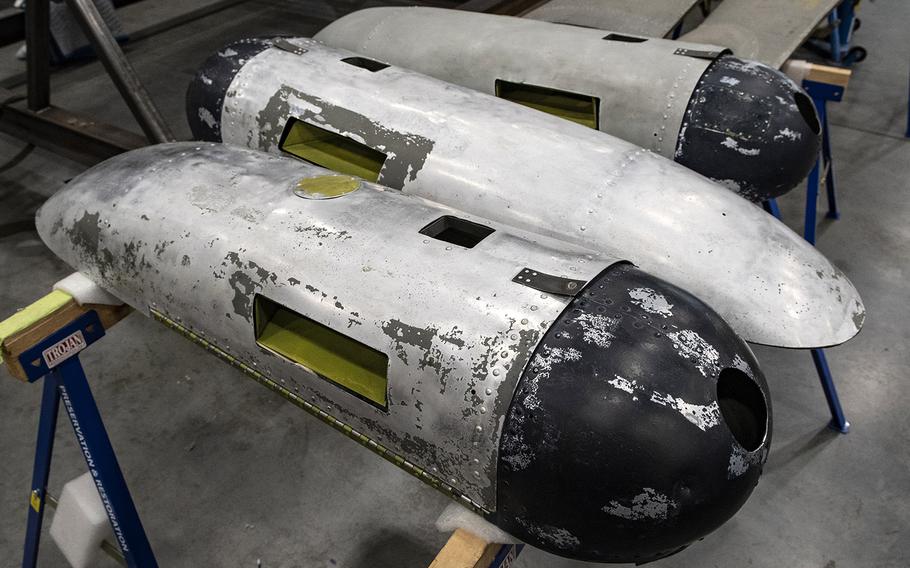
x,y
454,516
85,291
796,69
80,522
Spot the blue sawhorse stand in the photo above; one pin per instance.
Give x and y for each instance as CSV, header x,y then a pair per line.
x,y
821,93
56,359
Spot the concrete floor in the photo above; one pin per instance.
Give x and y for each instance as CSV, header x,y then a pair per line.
x,y
226,473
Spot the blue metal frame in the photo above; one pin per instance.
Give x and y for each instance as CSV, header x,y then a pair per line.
x,y
821,93
66,382
838,420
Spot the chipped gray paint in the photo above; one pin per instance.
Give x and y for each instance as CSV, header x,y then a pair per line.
x,y
558,538
516,452
704,416
598,329
651,302
740,363
734,145
543,364
787,134
690,345
741,460
458,332
406,152
521,167
649,504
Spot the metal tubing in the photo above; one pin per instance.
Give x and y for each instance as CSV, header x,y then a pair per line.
x,y
37,42
44,450
121,71
836,52
76,136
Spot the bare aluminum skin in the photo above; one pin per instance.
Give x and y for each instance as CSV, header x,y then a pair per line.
x,y
737,122
651,18
540,173
192,231
644,104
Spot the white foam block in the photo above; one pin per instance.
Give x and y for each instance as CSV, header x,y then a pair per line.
x,y
796,69
80,522
84,291
454,516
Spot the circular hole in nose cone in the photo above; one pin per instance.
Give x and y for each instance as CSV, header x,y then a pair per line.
x,y
743,408
807,110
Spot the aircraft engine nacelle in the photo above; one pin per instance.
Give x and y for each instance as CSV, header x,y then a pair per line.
x,y
741,123
576,401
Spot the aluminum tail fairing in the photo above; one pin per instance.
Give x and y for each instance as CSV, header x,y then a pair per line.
x,y
506,162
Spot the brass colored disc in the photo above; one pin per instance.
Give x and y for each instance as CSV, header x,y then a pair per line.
x,y
327,186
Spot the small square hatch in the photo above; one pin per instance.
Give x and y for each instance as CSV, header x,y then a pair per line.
x,y
457,231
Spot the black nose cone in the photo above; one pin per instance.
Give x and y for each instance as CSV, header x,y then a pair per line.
x,y
641,425
749,127
206,93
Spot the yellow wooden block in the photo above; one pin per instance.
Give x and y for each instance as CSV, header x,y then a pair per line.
x,y
465,550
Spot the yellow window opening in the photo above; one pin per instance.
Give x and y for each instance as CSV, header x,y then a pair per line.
x,y
330,150
583,109
345,362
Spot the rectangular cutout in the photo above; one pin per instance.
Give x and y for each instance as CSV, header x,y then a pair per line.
x,y
457,231
343,361
330,150
364,63
625,38
583,109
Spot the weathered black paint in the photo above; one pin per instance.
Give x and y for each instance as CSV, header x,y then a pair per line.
x,y
206,92
576,450
749,126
